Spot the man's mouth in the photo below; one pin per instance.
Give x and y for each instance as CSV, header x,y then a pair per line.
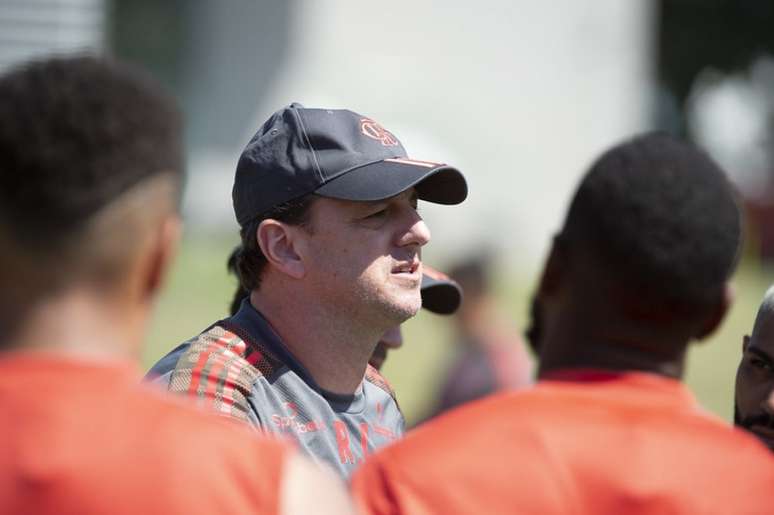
x,y
407,268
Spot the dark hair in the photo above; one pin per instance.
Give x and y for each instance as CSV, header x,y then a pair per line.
x,y
240,293
249,261
662,219
85,144
75,133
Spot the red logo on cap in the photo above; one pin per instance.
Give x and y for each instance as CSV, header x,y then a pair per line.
x,y
375,131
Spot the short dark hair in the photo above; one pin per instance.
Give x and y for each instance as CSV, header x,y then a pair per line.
x,y
662,218
90,150
240,293
75,133
249,261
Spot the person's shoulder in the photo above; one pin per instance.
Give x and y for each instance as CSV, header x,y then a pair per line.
x,y
726,441
179,424
218,368
483,422
216,456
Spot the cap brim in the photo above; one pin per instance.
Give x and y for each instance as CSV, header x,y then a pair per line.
x,y
438,183
440,296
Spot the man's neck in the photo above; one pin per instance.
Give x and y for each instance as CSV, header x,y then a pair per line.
x,y
333,347
613,347
80,324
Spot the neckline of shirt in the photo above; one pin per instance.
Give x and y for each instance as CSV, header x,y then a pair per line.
x,y
256,325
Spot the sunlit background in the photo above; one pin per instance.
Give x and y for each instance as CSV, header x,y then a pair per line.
x,y
519,95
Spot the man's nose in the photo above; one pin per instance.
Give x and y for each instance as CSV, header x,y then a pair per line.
x,y
416,232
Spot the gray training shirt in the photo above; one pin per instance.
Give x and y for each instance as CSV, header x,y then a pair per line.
x,y
239,367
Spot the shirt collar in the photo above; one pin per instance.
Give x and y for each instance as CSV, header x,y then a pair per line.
x,y
256,325
642,383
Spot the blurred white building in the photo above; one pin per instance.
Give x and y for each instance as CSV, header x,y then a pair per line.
x,y
520,95
30,28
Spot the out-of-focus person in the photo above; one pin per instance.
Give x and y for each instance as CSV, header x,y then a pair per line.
x,y
489,353
639,270
753,409
90,179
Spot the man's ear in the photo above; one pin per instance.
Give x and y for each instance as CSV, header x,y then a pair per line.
x,y
277,241
162,256
718,312
745,342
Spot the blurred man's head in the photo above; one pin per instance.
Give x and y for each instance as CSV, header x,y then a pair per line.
x,y
474,277
641,266
753,410
89,185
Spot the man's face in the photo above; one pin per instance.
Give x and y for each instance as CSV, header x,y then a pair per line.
x,y
755,382
364,257
392,339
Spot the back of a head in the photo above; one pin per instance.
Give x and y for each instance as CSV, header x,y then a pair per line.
x,y
661,224
85,143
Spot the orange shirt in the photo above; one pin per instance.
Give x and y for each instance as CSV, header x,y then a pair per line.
x,y
80,437
583,442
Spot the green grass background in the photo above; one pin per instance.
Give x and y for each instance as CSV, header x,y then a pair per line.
x,y
199,291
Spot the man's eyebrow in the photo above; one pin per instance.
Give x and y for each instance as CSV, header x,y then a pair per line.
x,y
761,354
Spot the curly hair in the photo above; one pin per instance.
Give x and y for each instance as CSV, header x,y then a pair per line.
x,y
90,155
662,218
75,133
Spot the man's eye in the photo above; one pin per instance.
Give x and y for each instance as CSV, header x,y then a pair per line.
x,y
761,364
378,214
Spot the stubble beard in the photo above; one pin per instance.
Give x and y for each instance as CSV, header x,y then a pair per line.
x,y
388,307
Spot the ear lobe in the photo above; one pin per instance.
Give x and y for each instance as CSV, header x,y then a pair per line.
x,y
278,243
718,313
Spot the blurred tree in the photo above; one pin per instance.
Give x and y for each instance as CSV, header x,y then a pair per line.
x,y
151,34
726,35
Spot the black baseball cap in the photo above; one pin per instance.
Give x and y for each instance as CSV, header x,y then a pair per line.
x,y
440,293
334,153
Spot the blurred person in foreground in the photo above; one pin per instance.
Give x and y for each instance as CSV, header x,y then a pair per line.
x,y
489,353
440,295
90,177
331,244
639,270
753,410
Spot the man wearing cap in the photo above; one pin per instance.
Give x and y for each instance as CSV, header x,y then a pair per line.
x,y
331,238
